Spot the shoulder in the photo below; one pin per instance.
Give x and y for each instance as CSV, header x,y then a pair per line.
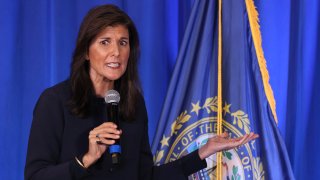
x,y
56,95
61,90
51,105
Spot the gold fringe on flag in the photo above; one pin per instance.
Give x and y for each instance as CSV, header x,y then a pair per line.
x,y
256,36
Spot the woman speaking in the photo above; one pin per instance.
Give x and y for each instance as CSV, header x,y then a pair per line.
x,y
72,135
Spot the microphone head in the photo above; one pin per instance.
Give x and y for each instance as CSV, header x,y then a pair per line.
x,y
112,96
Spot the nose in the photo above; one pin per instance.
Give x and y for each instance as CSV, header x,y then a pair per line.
x,y
115,50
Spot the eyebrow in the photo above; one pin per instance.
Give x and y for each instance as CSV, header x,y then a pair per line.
x,y
126,38
110,38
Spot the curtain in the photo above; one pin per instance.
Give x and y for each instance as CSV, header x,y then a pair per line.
x,y
37,39
290,33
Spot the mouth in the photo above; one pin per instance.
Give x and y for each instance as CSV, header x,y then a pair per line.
x,y
113,65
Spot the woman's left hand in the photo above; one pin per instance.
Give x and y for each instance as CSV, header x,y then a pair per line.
x,y
223,142
100,138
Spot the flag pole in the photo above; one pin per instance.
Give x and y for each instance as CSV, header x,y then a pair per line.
x,y
219,128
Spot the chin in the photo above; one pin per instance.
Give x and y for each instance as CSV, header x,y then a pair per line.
x,y
113,77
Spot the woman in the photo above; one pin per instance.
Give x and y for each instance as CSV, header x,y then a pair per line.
x,y
70,134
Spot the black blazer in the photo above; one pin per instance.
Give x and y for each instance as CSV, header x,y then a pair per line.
x,y
57,137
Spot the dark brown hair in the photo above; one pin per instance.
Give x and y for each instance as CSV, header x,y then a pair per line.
x,y
128,85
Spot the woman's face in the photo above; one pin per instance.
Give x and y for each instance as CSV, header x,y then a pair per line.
x,y
109,53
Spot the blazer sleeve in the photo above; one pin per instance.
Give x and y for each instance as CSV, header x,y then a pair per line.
x,y
179,169
44,144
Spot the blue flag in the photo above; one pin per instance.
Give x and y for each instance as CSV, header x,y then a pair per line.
x,y
189,116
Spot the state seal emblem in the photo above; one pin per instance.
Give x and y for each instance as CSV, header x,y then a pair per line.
x,y
192,129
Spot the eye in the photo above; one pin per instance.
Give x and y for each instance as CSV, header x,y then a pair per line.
x,y
104,42
123,42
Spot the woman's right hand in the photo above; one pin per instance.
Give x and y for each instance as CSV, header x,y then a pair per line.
x,y
100,138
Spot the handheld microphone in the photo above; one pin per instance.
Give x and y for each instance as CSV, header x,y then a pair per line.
x,y
112,99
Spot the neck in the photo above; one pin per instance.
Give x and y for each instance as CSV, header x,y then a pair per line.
x,y
101,85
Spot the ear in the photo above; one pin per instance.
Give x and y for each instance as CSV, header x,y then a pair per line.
x,y
87,57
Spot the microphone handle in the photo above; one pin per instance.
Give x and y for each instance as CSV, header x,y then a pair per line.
x,y
113,116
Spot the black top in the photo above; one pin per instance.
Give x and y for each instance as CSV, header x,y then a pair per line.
x,y
57,137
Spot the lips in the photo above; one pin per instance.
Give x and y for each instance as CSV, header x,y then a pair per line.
x,y
113,65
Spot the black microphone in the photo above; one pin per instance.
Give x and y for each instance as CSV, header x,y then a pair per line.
x,y
112,99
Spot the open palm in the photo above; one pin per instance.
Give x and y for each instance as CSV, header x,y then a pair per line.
x,y
223,142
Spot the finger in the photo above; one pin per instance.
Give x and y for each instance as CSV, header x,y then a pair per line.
x,y
109,136
106,141
250,137
106,125
256,136
246,139
109,124
108,129
253,136
224,135
94,139
241,140
103,138
97,139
